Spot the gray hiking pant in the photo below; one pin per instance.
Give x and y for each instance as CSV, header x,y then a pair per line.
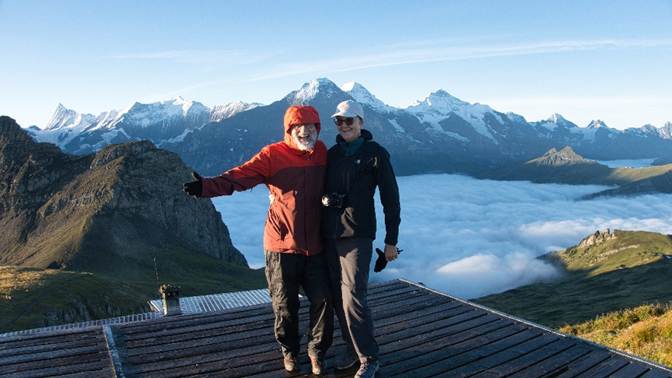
x,y
285,273
349,260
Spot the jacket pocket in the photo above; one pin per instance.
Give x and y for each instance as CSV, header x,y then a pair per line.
x,y
278,228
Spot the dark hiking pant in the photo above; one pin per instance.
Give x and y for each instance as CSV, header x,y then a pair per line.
x,y
285,273
349,261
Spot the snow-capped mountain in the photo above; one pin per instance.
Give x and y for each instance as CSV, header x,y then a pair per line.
x,y
220,112
310,91
665,132
440,132
556,121
64,125
597,124
440,105
363,96
161,122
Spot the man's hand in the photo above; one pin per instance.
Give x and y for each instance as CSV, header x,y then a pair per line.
x,y
391,252
195,188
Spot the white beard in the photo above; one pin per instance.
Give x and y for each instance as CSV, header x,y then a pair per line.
x,y
306,145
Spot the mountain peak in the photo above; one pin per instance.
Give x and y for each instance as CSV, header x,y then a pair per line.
x,y
556,118
441,93
363,96
597,124
309,91
442,100
352,85
564,156
67,118
62,117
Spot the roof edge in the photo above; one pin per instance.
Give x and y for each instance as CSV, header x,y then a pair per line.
x,y
533,324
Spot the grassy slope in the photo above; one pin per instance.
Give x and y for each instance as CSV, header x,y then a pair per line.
x,y
644,331
627,175
627,271
31,297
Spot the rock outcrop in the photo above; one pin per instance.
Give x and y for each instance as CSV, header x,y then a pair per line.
x,y
81,212
600,236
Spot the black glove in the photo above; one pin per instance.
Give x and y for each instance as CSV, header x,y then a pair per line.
x,y
381,261
194,188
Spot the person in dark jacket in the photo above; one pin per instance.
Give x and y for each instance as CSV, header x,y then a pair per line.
x,y
293,170
356,166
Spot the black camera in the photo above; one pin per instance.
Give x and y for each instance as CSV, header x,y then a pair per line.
x,y
336,200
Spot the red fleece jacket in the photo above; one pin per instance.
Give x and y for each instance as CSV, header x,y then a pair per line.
x,y
295,180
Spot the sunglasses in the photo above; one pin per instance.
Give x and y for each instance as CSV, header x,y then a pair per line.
x,y
339,121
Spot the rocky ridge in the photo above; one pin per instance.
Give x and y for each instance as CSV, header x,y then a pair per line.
x,y
60,210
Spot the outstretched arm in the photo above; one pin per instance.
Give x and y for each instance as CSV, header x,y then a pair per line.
x,y
246,176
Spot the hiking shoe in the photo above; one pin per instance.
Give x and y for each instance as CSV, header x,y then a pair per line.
x,y
290,364
345,361
317,365
367,369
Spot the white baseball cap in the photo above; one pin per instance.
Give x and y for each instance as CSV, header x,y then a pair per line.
x,y
349,108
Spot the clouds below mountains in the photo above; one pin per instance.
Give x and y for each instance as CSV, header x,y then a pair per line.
x,y
473,237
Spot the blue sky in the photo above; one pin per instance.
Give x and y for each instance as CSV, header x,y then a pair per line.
x,y
585,60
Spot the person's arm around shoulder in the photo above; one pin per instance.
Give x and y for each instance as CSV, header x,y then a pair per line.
x,y
245,176
389,197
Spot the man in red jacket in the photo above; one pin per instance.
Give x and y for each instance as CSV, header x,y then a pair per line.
x,y
293,170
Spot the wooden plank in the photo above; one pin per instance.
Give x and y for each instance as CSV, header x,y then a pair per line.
x,y
528,360
633,369
418,322
53,366
605,368
102,373
90,369
48,356
41,348
556,363
453,331
44,339
442,361
422,355
594,358
439,308
656,373
504,356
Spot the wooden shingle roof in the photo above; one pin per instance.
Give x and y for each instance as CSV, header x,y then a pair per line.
x,y
421,333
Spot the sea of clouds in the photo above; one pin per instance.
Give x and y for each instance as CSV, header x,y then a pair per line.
x,y
471,237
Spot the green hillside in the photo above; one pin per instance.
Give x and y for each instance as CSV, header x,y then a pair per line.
x,y
33,297
607,271
644,331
